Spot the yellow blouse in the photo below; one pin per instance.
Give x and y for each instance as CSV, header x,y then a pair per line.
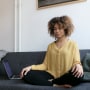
x,y
58,61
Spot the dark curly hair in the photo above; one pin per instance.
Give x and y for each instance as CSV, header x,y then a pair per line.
x,y
64,22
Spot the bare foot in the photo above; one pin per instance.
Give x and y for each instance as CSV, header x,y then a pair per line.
x,y
65,85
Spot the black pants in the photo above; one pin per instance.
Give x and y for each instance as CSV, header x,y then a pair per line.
x,y
36,77
68,78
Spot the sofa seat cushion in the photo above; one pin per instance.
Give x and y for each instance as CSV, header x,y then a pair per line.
x,y
21,85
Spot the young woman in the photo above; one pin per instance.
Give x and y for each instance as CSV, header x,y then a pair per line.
x,y
62,56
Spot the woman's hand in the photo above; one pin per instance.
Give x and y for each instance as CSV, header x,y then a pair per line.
x,y
77,70
24,71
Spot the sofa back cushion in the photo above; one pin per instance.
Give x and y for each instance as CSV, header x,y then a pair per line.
x,y
83,53
18,60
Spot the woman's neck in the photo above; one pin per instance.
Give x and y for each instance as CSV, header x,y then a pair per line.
x,y
61,41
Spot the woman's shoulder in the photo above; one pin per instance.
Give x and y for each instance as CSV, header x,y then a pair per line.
x,y
52,43
73,42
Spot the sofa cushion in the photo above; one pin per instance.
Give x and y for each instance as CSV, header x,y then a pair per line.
x,y
18,60
86,62
83,52
86,67
2,54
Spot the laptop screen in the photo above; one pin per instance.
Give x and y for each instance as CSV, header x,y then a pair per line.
x,y
7,68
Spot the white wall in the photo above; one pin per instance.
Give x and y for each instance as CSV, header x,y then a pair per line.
x,y
34,34
7,25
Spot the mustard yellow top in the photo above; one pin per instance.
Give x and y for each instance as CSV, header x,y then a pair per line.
x,y
59,60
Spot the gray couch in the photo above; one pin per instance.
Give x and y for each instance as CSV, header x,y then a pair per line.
x,y
18,60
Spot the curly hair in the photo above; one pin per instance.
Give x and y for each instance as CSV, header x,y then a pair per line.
x,y
64,22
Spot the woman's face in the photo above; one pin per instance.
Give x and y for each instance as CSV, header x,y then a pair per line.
x,y
58,33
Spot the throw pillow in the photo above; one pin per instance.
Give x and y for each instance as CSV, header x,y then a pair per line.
x,y
86,67
2,54
86,62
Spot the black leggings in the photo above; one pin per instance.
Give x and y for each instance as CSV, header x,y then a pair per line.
x,y
68,78
36,77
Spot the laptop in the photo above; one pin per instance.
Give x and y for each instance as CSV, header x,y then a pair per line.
x,y
9,71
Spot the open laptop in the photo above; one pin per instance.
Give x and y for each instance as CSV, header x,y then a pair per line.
x,y
9,71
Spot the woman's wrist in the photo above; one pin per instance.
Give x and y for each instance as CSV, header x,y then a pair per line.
x,y
30,67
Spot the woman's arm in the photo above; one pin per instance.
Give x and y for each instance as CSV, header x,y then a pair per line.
x,y
24,71
77,67
42,66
